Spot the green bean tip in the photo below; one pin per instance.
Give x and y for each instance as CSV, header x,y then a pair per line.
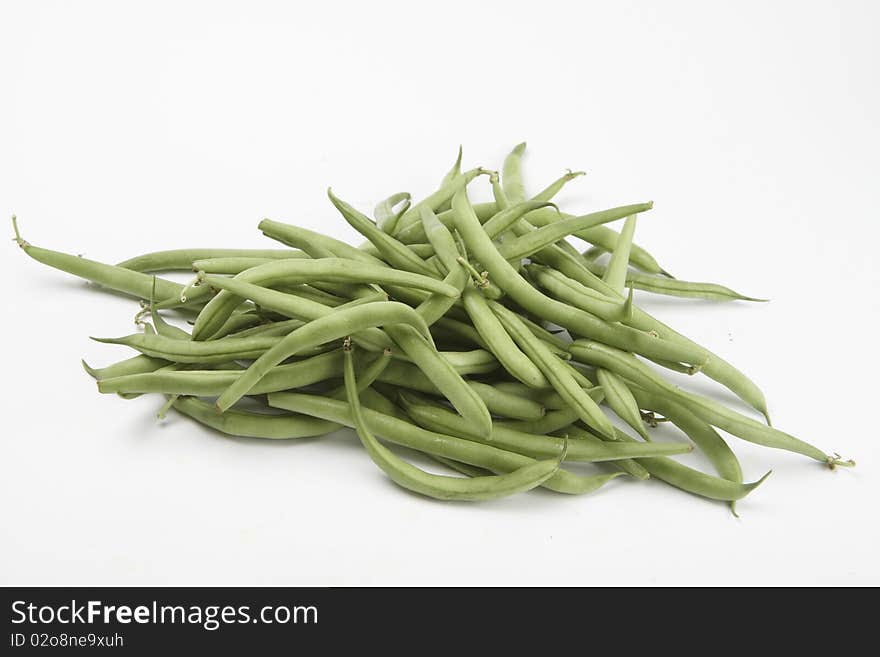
x,y
91,371
835,461
18,238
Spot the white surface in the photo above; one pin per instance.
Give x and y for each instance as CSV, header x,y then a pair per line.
x,y
132,127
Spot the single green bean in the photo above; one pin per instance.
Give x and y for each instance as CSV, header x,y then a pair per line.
x,y
182,259
385,214
320,331
249,424
437,486
409,435
435,418
392,251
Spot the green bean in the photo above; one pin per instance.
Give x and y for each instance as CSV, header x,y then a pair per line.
x,y
442,373
408,377
229,265
604,237
271,329
320,331
572,318
621,400
299,237
552,421
111,277
707,409
392,251
289,271
320,296
435,307
496,222
701,433
506,218
459,330
499,341
457,466
437,419
423,251
631,467
437,486
409,435
675,287
139,364
239,322
436,200
525,246
556,186
182,259
254,425
475,361
186,351
696,482
512,174
569,291
556,344
385,214
162,327
615,274
557,374
289,305
711,364
547,397
212,383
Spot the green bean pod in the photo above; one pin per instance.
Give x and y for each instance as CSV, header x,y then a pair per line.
x,y
621,400
254,425
435,418
409,435
320,331
438,486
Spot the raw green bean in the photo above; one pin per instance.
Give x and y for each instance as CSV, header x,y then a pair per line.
x,y
228,265
409,435
556,186
385,214
187,351
631,467
615,274
212,383
437,419
525,246
254,425
569,291
182,259
111,277
436,200
621,400
559,376
512,174
320,331
572,318
392,251
675,287
291,271
707,409
693,481
499,341
408,377
437,486
711,364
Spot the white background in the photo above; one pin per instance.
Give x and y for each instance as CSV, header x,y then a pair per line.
x,y
129,127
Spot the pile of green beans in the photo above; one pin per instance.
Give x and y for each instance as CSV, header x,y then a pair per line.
x,y
476,334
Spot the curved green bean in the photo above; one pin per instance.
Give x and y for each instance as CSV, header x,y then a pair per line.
x,y
437,486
